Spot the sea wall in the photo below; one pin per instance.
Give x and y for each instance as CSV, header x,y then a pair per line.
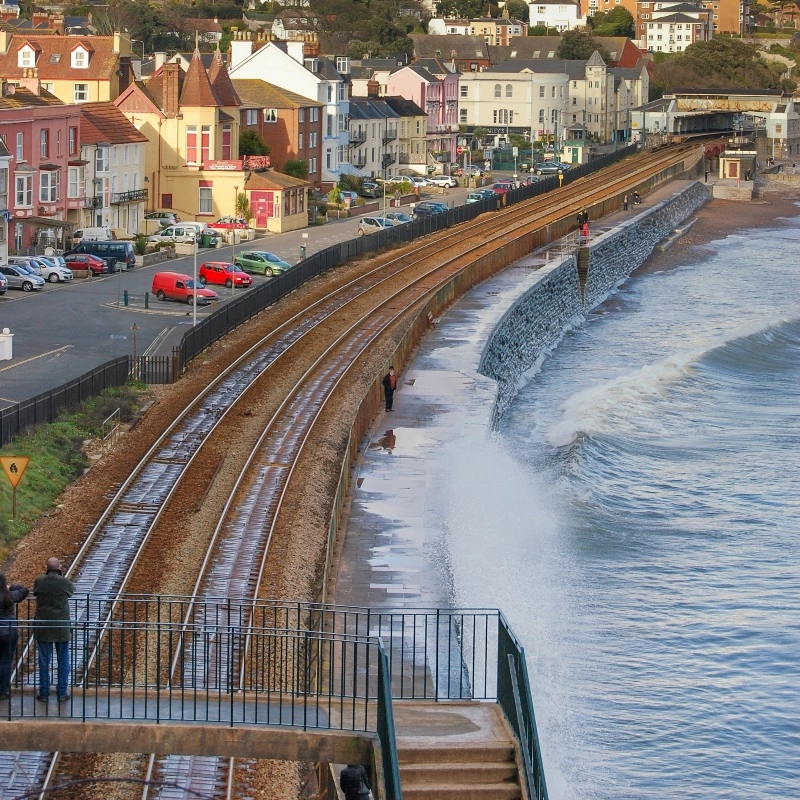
x,y
563,291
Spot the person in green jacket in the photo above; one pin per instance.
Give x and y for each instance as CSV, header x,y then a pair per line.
x,y
52,592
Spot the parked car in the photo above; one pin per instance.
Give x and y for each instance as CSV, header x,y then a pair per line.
x,y
502,187
368,225
19,278
177,286
474,197
348,196
444,181
419,182
114,253
184,233
91,234
473,171
369,189
261,263
441,207
95,265
43,267
164,218
229,223
397,217
550,168
3,284
224,273
428,209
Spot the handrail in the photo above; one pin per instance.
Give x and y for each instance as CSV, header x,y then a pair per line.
x,y
386,730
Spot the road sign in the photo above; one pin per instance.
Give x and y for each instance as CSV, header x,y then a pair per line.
x,y
14,467
459,150
515,151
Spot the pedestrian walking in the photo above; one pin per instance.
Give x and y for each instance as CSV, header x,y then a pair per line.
x,y
52,592
389,385
625,202
353,782
9,597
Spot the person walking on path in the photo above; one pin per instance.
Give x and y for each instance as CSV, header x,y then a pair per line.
x,y
9,597
625,202
52,592
389,385
353,782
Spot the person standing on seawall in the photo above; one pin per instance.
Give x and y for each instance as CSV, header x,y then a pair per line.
x,y
625,202
9,597
52,592
389,385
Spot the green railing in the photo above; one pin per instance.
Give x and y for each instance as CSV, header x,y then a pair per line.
x,y
386,733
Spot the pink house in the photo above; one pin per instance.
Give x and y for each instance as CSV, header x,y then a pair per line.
x,y
41,135
433,86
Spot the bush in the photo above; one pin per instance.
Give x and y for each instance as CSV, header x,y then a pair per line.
x,y
140,244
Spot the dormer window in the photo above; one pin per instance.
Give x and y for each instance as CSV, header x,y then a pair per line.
x,y
80,58
26,57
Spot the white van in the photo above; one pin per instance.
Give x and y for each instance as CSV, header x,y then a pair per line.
x,y
92,235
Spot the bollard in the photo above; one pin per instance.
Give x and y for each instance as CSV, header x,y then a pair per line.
x,y
125,297
147,299
302,251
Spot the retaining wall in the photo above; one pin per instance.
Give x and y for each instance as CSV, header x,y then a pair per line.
x,y
540,316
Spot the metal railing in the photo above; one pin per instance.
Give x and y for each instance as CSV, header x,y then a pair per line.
x,y
132,196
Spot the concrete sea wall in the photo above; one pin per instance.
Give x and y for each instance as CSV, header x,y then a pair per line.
x,y
575,284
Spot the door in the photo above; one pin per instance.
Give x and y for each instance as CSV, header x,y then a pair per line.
x,y
733,169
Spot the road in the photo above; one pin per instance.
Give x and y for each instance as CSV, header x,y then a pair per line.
x,y
65,330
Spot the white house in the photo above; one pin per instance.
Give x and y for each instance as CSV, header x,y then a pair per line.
x,y
672,27
440,27
559,14
315,78
373,136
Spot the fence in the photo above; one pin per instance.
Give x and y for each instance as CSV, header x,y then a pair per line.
x,y
44,407
233,314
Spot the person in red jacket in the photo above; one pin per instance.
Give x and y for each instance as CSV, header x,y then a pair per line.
x,y
389,385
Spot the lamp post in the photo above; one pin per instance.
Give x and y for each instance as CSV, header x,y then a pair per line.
x,y
194,287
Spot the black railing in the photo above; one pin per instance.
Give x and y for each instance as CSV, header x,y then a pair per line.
x,y
132,196
45,407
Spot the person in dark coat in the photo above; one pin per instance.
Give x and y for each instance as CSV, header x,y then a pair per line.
x,y
389,385
52,592
353,782
9,597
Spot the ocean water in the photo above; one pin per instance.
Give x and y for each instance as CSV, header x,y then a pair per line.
x,y
638,518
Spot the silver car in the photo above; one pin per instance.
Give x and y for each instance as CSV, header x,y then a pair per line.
x,y
45,268
3,284
373,225
19,278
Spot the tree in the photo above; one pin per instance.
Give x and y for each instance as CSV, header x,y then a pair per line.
x,y
579,46
243,206
296,167
518,9
617,22
251,144
462,9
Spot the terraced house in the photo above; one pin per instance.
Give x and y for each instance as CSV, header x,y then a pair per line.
x,y
191,122
76,69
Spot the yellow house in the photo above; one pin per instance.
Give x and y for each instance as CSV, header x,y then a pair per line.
x,y
76,69
191,122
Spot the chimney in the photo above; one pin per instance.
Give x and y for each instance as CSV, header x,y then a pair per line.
x,y
239,50
296,51
171,94
30,80
5,41
122,44
158,60
373,88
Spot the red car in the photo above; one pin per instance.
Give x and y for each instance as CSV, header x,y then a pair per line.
x,y
95,265
229,223
224,273
502,187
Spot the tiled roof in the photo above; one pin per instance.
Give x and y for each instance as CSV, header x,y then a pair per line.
x,y
155,86
104,122
221,82
574,70
436,66
260,94
197,90
54,57
542,46
451,46
403,107
25,98
273,180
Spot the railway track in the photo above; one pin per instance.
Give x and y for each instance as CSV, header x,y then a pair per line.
x,y
335,332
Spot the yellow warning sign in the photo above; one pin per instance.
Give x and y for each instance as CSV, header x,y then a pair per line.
x,y
14,467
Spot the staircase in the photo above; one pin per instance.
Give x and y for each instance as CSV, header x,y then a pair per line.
x,y
458,751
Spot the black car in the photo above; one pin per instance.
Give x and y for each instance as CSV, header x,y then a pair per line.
x,y
369,189
429,209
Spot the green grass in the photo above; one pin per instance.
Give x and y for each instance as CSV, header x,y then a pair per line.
x,y
56,459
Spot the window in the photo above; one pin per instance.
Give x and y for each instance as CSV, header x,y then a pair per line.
x,y
313,115
462,115
329,124
541,116
342,64
251,116
227,150
191,144
44,144
26,58
74,182
312,166
205,205
100,159
48,186
464,90
541,91
301,115
58,143
312,139
330,93
125,155
509,90
81,92
552,91
80,58
47,86
24,190
20,147
73,141
205,144
328,158
498,90
299,141
270,115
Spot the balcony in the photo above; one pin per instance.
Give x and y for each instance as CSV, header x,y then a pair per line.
x,y
389,135
360,162
91,202
132,196
412,158
3,201
357,137
388,158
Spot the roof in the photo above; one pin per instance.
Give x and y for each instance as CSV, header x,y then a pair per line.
x,y
273,180
258,93
371,108
450,45
104,122
574,70
596,60
221,82
25,98
53,57
542,47
404,107
436,66
423,73
197,90
678,18
202,25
